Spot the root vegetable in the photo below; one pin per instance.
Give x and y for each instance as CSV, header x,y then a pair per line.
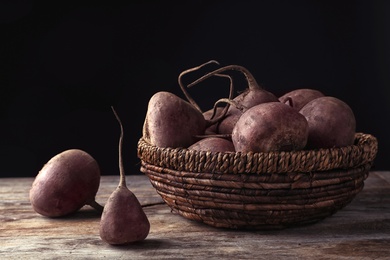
x,y
67,182
123,220
213,144
270,127
171,121
331,123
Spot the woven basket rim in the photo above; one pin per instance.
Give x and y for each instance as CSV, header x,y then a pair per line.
x,y
363,151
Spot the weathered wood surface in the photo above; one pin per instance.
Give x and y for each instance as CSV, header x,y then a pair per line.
x,y
359,231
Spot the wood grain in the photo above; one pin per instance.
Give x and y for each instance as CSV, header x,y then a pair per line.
x,y
359,231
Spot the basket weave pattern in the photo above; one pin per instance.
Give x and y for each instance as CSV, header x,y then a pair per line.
x,y
258,190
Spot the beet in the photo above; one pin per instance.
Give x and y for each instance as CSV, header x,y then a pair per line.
x,y
213,144
331,123
171,121
123,220
67,182
271,126
299,97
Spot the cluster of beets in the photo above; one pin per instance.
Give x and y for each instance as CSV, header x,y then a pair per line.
x,y
71,179
254,121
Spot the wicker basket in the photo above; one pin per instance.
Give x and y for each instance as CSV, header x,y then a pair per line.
x,y
258,190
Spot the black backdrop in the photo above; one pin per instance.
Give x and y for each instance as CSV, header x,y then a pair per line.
x,y
63,65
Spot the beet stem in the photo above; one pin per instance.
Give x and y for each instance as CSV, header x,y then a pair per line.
x,y
233,103
226,108
289,101
122,181
252,83
225,136
145,205
189,98
96,206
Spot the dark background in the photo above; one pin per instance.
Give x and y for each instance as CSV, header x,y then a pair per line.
x,y
63,65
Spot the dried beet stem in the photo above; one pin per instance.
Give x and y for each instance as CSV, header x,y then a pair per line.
x,y
193,102
252,83
96,206
225,136
189,98
289,101
231,102
145,205
226,108
122,181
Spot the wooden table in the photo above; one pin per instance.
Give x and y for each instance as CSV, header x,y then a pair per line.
x,y
359,231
